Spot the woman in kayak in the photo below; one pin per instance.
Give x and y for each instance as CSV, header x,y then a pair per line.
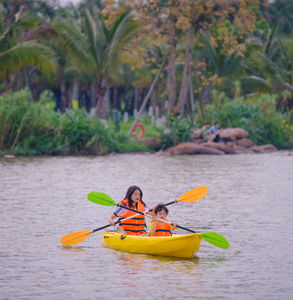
x,y
160,228
136,225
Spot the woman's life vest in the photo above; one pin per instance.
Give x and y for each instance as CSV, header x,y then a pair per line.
x,y
134,226
162,229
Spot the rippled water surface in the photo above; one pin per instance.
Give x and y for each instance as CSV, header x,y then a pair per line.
x,y
250,202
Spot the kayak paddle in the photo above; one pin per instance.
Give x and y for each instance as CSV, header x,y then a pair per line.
x,y
191,196
211,237
79,236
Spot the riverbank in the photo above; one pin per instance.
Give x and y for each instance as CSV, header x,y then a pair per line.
x,y
33,128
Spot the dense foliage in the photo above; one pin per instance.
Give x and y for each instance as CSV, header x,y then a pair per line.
x,y
258,116
178,131
198,60
33,128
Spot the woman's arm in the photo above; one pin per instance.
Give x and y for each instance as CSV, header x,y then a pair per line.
x,y
111,219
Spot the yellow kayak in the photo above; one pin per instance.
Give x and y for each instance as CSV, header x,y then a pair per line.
x,y
177,245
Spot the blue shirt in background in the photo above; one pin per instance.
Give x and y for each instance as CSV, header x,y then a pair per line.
x,y
213,129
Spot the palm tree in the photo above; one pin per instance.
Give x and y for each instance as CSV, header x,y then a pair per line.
x,y
94,47
269,57
269,64
225,66
18,50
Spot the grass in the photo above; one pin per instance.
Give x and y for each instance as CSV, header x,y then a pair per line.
x,y
151,130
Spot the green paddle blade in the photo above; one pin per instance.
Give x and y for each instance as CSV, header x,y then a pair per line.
x,y
215,239
101,198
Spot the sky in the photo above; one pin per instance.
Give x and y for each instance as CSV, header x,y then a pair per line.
x,y
64,2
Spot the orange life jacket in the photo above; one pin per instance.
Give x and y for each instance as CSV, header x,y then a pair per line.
x,y
162,229
134,226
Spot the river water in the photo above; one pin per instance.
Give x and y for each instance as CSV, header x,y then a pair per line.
x,y
249,202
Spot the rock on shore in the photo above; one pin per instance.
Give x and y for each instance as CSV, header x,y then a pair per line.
x,y
232,141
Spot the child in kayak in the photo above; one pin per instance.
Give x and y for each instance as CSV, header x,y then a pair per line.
x,y
136,225
160,228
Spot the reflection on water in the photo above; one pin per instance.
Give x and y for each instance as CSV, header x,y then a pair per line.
x,y
249,202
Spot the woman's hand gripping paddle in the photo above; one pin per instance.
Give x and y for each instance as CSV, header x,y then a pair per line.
x,y
211,237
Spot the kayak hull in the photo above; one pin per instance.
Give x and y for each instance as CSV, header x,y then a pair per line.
x,y
185,246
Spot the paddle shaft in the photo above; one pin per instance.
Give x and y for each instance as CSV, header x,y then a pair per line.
x,y
161,220
181,199
169,203
166,204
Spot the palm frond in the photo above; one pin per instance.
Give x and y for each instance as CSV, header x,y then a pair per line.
x,y
90,30
28,54
270,69
123,30
75,44
269,41
254,84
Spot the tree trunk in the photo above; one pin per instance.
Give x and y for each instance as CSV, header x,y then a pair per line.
x,y
152,107
186,72
171,84
69,95
63,94
147,96
135,102
19,80
7,84
115,98
206,94
126,96
192,104
100,111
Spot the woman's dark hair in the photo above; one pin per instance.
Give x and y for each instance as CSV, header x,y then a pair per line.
x,y
161,207
207,123
129,193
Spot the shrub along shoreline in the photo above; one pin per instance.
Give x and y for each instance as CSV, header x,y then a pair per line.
x,y
34,128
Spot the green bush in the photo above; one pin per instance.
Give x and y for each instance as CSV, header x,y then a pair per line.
x,y
177,132
24,121
123,143
33,128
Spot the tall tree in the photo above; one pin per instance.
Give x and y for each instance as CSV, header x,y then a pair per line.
x,y
18,48
206,14
95,47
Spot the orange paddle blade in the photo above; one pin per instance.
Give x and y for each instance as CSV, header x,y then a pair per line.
x,y
194,194
75,237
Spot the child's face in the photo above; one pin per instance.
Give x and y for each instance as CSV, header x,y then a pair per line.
x,y
162,214
135,197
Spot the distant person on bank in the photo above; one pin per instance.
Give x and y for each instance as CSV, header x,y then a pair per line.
x,y
206,133
215,133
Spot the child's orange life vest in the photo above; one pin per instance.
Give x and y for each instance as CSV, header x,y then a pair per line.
x,y
162,229
134,226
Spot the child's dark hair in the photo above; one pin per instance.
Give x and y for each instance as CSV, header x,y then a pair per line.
x,y
129,193
161,207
